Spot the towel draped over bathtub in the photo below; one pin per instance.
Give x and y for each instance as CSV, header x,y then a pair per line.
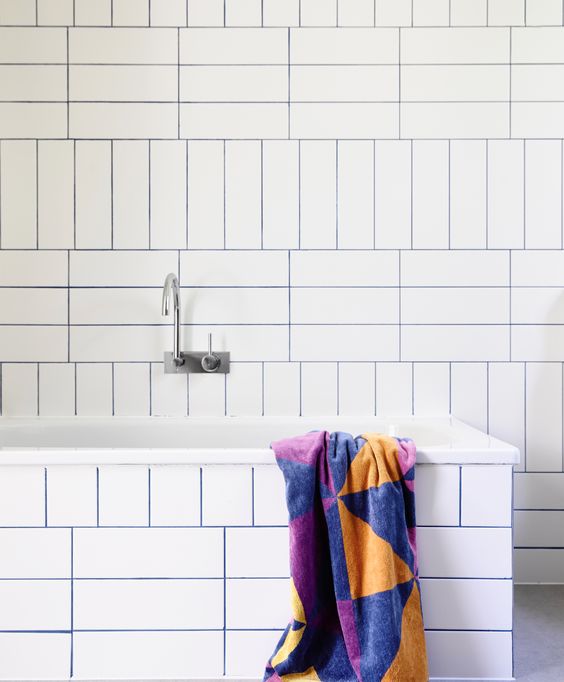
x,y
356,607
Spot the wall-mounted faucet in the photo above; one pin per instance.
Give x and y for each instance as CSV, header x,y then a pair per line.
x,y
190,362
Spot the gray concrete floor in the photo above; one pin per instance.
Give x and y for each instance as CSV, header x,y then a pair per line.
x,y
539,633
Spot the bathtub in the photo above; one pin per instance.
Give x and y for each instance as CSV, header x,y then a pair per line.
x,y
156,548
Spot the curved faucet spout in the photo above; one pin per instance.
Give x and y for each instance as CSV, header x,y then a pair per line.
x,y
171,290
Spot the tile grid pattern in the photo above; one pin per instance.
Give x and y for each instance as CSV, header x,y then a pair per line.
x,y
101,573
369,275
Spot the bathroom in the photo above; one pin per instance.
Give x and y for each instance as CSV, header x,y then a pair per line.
x,y
360,207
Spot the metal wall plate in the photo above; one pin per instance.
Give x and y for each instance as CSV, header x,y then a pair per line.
x,y
193,363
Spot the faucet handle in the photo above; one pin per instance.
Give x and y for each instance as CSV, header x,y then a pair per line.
x,y
211,361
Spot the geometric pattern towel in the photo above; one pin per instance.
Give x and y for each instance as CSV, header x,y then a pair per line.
x,y
356,605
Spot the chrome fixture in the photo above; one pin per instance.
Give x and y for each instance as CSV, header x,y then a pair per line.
x,y
191,362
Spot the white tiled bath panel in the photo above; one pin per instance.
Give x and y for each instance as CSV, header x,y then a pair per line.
x,y
363,202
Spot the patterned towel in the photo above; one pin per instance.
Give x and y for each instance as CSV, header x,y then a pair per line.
x,y
356,604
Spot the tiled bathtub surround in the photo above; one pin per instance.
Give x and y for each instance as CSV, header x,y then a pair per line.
x,y
363,202
99,563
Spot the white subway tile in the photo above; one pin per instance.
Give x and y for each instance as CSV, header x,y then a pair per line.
x,y
94,387
355,192
353,305
131,390
431,12
55,194
464,552
430,194
506,12
269,496
480,604
487,495
244,390
539,491
116,306
318,12
542,529
537,343
35,553
468,386
127,120
243,215
454,83
431,389
233,83
71,496
469,12
168,194
345,120
19,45
246,557
280,194
56,390
543,194
537,268
537,306
348,83
344,46
542,120
33,268
131,194
33,83
22,496
169,393
454,306
205,13
340,343
206,192
18,190
35,605
149,552
453,654
206,395
130,13
243,12
17,12
356,13
33,306
168,12
455,268
235,269
226,495
92,12
130,83
344,268
121,268
468,210
123,46
544,12
468,120
55,12
33,344
506,403
539,566
19,389
281,388
234,120
437,495
247,650
455,46
175,496
93,195
318,193
447,343
281,12
257,603
357,390
147,604
33,655
544,417
537,82
394,388
123,495
393,13
392,193
237,306
318,389
234,46
140,654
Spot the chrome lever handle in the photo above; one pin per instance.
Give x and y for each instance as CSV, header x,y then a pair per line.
x,y
211,361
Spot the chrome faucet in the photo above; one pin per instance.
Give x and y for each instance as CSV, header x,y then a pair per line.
x,y
172,290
